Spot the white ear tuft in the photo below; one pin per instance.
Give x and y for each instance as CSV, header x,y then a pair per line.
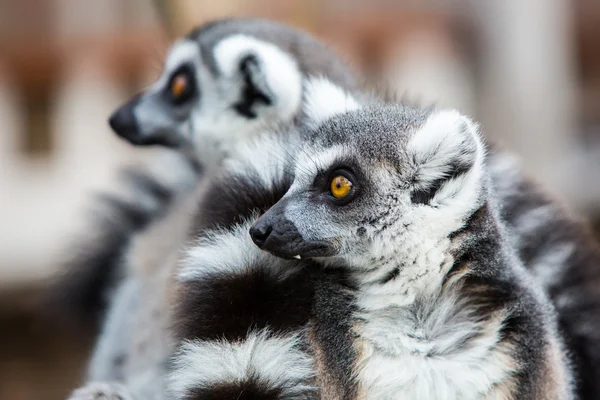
x,y
447,148
323,100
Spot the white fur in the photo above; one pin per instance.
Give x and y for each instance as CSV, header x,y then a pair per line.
x,y
266,155
403,369
441,139
274,360
227,250
324,100
416,355
216,126
308,164
220,251
101,391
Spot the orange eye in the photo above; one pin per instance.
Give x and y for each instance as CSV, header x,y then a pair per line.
x,y
340,186
178,85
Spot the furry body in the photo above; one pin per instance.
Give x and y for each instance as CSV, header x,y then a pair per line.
x,y
441,306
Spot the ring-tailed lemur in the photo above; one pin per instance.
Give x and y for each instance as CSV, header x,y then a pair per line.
x,y
224,83
399,201
249,187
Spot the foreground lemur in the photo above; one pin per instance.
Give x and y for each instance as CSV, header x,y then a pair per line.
x,y
223,84
441,306
419,294
249,186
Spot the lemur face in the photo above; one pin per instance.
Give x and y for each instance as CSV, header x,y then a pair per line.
x,y
374,178
212,99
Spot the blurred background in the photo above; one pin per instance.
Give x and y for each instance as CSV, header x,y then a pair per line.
x,y
528,70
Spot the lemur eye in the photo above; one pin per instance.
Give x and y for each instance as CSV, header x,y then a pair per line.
x,y
181,86
178,85
340,186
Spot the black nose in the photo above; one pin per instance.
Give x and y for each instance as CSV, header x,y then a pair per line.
x,y
260,232
123,122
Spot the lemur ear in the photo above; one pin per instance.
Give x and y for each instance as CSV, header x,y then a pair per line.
x,y
448,154
255,89
323,100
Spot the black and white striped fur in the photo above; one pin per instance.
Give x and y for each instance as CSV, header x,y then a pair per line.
x,y
241,314
440,304
80,296
233,299
249,76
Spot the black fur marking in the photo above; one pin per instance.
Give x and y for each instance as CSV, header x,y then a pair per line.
x,y
191,90
361,231
255,90
332,327
491,286
252,389
228,305
425,195
393,274
235,197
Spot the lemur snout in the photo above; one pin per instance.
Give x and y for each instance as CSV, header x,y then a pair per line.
x,y
260,233
124,123
276,234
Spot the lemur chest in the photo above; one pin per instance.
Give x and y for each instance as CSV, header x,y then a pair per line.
x,y
406,355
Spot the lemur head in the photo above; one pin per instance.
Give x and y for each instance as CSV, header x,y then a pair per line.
x,y
372,179
211,93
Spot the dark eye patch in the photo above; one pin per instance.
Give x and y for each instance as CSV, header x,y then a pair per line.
x,y
182,86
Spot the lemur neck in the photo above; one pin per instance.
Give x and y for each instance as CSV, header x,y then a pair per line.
x,y
421,267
